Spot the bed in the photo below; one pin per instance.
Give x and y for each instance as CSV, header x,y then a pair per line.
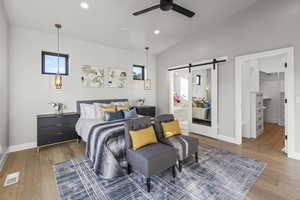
x,y
201,113
105,142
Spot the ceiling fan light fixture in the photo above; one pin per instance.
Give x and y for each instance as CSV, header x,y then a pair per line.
x,y
166,5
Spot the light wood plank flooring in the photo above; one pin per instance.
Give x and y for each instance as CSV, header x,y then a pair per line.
x,y
280,180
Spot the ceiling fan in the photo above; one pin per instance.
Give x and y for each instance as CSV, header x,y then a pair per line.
x,y
167,5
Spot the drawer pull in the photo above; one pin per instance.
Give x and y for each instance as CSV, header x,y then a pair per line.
x,y
59,125
59,133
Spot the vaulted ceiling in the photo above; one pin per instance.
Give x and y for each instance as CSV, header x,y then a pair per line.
x,y
111,22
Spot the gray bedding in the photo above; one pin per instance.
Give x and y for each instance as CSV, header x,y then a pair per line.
x,y
105,147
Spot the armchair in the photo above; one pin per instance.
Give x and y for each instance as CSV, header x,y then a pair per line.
x,y
186,146
150,159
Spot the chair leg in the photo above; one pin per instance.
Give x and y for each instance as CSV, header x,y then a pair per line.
x,y
148,184
180,165
129,169
196,157
174,171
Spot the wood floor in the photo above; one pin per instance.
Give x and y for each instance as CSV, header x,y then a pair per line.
x,y
280,180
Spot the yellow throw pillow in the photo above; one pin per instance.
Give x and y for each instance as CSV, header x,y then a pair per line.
x,y
108,109
126,107
171,128
143,137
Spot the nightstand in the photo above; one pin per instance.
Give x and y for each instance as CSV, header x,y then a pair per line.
x,y
146,110
56,129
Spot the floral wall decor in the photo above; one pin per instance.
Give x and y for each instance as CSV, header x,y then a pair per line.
x,y
92,76
117,78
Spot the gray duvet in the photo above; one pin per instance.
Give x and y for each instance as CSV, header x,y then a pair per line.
x,y
105,147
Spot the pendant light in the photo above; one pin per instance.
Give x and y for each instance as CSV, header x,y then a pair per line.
x,y
147,84
58,76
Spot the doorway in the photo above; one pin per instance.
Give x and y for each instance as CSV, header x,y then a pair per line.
x,y
264,98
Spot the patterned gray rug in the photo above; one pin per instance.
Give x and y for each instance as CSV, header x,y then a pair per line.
x,y
218,175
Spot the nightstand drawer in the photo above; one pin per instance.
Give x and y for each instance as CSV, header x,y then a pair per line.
x,y
146,110
146,113
57,121
54,135
53,129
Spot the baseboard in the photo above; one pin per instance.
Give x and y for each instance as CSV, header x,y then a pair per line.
x,y
3,160
21,147
228,139
272,121
294,155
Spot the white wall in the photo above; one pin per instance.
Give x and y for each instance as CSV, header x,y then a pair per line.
x,y
30,92
3,81
271,88
250,83
269,24
276,63
177,81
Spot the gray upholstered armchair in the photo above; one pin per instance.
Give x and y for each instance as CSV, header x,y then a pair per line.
x,y
151,159
186,146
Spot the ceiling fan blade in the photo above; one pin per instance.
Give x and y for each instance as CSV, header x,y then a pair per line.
x,y
182,10
146,10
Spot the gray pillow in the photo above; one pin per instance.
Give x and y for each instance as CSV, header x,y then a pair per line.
x,y
131,114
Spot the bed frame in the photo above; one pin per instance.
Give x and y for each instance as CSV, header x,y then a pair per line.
x,y
106,101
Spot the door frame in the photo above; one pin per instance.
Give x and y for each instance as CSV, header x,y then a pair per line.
x,y
290,95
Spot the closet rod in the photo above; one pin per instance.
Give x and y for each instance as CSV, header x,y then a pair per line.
x,y
201,64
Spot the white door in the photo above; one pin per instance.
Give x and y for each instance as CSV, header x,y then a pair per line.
x,y
203,106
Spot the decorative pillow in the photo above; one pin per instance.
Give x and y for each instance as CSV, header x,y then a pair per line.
x,y
199,103
112,108
99,113
111,116
171,128
126,107
130,114
206,105
194,104
125,103
143,137
87,111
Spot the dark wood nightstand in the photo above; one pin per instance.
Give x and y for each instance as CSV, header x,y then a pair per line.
x,y
146,110
56,129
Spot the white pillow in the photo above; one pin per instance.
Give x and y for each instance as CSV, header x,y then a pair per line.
x,y
125,103
87,111
98,112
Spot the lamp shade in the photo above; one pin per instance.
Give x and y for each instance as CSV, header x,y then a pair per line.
x,y
58,81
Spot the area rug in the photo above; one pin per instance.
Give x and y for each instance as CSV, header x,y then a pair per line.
x,y
218,175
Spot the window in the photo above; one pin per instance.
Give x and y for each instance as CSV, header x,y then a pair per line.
x,y
138,72
49,63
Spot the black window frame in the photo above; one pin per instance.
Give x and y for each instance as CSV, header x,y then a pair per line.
x,y
46,53
143,72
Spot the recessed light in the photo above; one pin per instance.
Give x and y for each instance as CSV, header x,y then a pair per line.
x,y
157,32
84,5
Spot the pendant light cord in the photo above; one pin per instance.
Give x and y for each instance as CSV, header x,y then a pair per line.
x,y
147,62
58,50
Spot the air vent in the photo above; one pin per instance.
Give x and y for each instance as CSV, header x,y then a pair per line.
x,y
12,179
